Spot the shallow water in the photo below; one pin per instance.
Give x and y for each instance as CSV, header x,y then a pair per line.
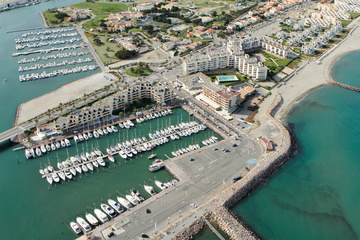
x,y
315,195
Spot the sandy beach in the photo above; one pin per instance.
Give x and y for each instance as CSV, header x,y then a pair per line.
x,y
311,77
63,94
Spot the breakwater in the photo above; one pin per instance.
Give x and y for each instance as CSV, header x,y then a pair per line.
x,y
352,88
220,212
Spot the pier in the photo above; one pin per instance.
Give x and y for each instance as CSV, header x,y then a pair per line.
x,y
214,230
332,82
15,54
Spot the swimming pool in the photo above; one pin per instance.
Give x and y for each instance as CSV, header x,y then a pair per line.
x,y
231,78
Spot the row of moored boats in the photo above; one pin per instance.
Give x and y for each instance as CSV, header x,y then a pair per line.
x,y
39,151
52,56
150,116
209,141
114,208
54,64
45,38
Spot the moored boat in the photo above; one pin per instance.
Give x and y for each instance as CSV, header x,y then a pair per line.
x,y
124,202
101,216
108,210
115,205
75,227
149,189
91,219
160,185
111,158
83,224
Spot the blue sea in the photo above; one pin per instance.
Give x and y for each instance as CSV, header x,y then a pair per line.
x,y
316,195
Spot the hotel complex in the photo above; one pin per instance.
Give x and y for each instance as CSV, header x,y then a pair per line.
x,y
234,57
158,92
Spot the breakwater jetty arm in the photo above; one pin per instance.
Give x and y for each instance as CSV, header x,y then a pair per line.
x,y
332,82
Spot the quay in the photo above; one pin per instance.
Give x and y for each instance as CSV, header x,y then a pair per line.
x,y
24,30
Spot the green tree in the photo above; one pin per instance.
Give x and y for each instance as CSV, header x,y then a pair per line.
x,y
214,14
125,54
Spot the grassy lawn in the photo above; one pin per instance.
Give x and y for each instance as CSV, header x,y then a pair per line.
x,y
145,72
135,30
106,51
51,19
345,22
93,23
284,62
101,8
354,14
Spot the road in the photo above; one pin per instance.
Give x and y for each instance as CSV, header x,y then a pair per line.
x,y
11,133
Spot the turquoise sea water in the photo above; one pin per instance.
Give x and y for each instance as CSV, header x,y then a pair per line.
x,y
31,208
315,195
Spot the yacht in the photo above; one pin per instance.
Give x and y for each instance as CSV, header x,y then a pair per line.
x,y
132,199
55,177
48,148
84,168
62,175
49,178
126,125
76,139
91,219
101,216
89,166
115,205
86,137
81,138
83,157
75,227
88,156
130,123
78,169
105,131
83,224
122,154
109,129
121,125
156,166
108,210
90,135
43,149
114,129
53,147
149,189
67,142
160,185
68,174
38,152
100,132
58,145
98,152
62,142
137,195
124,202
100,161
96,134
73,171
111,158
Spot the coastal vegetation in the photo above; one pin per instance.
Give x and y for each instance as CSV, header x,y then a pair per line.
x,y
55,17
101,8
140,71
125,54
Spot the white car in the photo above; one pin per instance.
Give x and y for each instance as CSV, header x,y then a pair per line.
x,y
193,205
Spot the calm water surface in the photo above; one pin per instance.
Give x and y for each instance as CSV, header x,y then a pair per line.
x,y
315,195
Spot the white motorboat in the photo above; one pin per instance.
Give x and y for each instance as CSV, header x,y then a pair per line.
x,y
81,138
75,227
98,152
73,171
89,166
48,148
41,171
88,156
86,137
101,216
121,125
62,175
96,134
68,174
108,150
78,169
84,168
55,177
137,195
108,210
43,149
126,125
114,129
62,142
115,205
76,139
100,132
156,166
83,157
105,131
49,178
83,224
91,219
132,199
122,154
90,135
124,202
53,147
111,158
100,161
95,163
133,151
50,168
38,152
59,166
67,142
149,189
130,123
109,129
160,185
58,145
65,164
